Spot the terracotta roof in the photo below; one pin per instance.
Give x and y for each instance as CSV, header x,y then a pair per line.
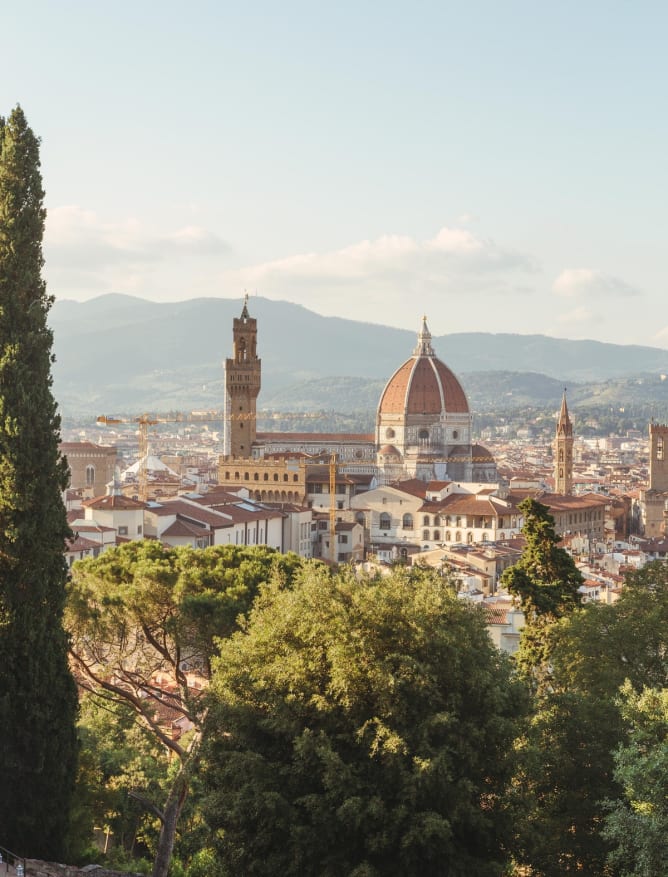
x,y
423,385
414,486
80,543
114,502
314,437
183,528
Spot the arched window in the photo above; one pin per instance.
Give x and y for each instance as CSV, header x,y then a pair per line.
x,y
236,476
90,476
426,520
295,477
285,477
469,537
385,521
256,477
245,476
423,435
437,520
407,522
389,433
458,522
501,536
266,476
275,476
437,535
447,535
458,536
485,537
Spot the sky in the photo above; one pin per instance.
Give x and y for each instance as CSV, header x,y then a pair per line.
x,y
497,165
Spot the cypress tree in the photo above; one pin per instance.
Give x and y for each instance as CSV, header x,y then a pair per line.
x,y
38,699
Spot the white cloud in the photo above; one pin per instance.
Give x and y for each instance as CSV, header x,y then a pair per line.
x,y
83,252
584,283
367,280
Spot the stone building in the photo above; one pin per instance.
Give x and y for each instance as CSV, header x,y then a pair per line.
x,y
91,466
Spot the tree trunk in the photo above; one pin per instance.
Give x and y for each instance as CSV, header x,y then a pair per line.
x,y
175,801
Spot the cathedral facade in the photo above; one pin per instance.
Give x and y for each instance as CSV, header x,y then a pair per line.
x,y
423,427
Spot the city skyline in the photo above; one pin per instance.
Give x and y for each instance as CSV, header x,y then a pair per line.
x,y
498,167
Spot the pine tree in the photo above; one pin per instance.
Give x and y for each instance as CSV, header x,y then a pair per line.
x,y
546,581
38,701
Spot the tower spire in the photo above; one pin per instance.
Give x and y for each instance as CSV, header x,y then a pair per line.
x,y
563,451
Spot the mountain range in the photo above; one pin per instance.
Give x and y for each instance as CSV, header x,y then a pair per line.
x,y
117,353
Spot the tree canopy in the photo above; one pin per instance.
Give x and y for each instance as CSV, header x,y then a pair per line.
x,y
360,727
546,581
141,618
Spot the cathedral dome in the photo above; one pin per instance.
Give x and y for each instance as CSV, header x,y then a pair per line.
x,y
423,385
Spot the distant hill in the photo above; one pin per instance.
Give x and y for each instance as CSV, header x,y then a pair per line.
x,y
119,353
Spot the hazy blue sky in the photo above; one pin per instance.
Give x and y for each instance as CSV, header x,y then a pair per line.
x,y
498,166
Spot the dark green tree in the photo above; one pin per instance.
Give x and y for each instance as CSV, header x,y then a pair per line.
x,y
38,702
546,582
360,727
140,617
637,824
567,767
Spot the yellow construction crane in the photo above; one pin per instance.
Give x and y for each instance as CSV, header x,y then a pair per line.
x,y
143,422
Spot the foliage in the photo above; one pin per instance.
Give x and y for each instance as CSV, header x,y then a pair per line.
x,y
546,581
637,824
38,701
567,765
143,619
360,727
117,757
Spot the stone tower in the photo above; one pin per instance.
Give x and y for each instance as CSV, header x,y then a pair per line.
x,y
563,452
658,457
242,386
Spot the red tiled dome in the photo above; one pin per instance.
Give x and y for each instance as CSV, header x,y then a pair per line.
x,y
423,385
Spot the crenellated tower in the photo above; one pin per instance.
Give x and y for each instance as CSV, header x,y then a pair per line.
x,y
243,374
563,452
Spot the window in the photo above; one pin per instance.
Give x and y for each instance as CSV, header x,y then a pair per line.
x,y
425,535
245,476
90,476
469,538
266,476
343,539
407,522
285,477
423,435
484,537
659,448
122,531
458,536
437,520
389,433
275,476
447,535
426,520
256,476
139,529
385,521
437,535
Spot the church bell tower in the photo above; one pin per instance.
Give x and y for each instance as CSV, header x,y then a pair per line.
x,y
563,452
242,386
